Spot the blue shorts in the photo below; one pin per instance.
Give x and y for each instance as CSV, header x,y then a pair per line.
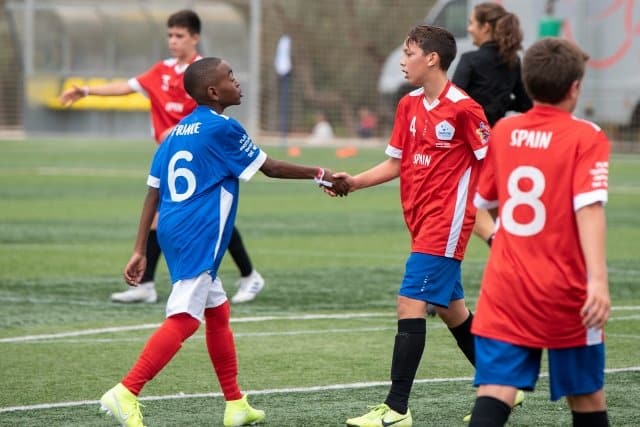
x,y
431,278
572,371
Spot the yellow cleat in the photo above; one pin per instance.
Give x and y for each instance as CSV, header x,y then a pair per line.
x,y
123,405
240,413
382,416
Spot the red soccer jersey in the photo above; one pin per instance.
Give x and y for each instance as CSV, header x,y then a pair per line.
x,y
440,146
541,167
162,84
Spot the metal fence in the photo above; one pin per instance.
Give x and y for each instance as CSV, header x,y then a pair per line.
x,y
337,51
341,53
66,42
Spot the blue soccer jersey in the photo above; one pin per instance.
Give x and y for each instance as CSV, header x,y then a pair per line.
x,y
197,171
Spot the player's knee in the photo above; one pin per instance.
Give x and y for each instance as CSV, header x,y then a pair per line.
x,y
454,315
217,317
183,325
588,402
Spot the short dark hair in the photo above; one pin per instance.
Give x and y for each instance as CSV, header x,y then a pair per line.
x,y
200,75
185,19
434,39
549,68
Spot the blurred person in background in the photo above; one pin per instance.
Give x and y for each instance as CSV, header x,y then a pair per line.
x,y
322,130
491,75
367,123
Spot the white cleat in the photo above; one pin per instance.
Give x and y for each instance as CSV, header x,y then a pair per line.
x,y
248,288
144,292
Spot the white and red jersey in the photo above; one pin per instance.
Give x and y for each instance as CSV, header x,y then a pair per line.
x,y
163,85
440,147
541,167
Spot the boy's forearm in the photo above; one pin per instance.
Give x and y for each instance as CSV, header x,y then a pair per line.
x,y
484,225
149,209
381,173
591,224
110,89
280,169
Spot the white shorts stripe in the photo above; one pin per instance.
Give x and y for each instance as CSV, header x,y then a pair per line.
x,y
458,213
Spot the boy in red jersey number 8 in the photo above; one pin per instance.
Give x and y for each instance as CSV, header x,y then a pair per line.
x,y
546,174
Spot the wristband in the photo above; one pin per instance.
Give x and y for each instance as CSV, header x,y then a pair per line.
x,y
318,179
490,239
85,91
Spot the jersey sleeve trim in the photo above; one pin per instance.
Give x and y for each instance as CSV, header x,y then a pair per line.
x,y
482,203
253,167
394,152
481,153
586,199
135,85
152,181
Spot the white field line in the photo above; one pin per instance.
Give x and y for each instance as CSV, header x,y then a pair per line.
x,y
312,389
236,335
625,308
624,336
51,301
155,325
58,171
623,318
624,271
111,172
346,316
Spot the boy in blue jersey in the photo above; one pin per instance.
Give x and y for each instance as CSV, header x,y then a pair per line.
x,y
194,185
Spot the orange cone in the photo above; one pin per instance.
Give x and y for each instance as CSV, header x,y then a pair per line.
x,y
294,152
344,152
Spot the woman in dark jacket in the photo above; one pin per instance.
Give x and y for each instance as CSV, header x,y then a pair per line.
x,y
491,74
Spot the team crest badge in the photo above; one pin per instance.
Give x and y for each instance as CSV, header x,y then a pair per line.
x,y
483,132
445,131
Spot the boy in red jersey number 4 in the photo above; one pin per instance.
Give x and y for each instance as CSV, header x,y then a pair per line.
x,y
546,172
439,139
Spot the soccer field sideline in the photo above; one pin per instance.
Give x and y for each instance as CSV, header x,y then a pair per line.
x,y
249,319
351,386
60,337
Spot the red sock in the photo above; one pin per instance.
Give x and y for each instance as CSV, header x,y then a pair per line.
x,y
222,350
160,348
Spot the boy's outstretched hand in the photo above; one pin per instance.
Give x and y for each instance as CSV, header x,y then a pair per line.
x,y
332,184
72,95
344,184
